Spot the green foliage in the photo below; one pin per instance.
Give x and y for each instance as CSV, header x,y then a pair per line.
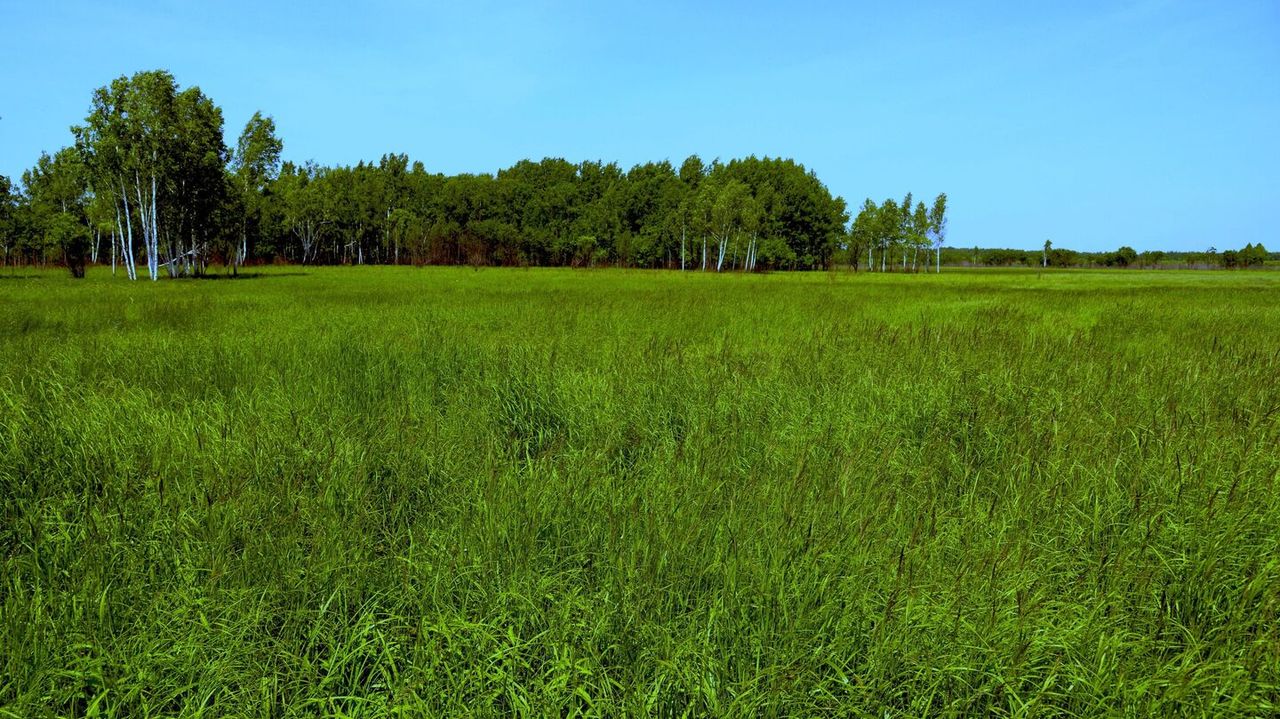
x,y
776,254
1123,257
442,492
70,235
156,152
1250,256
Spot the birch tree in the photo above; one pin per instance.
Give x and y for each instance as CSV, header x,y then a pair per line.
x,y
938,226
255,163
8,207
889,230
158,153
862,235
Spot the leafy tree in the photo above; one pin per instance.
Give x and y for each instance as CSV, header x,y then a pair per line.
x,y
863,234
255,164
919,235
938,225
8,217
888,230
906,229
1253,255
774,253
56,191
159,154
1125,256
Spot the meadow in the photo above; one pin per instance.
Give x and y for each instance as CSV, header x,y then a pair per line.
x,y
374,492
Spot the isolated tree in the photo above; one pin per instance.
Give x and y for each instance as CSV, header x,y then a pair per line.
x,y
1044,257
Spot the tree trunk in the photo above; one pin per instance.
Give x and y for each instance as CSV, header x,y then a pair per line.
x,y
155,230
146,229
127,251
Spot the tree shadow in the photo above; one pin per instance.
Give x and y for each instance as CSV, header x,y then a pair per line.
x,y
243,276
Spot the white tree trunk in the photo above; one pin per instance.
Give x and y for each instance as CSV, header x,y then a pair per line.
x,y
155,231
127,251
146,230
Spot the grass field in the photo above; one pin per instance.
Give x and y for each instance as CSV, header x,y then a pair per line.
x,y
415,492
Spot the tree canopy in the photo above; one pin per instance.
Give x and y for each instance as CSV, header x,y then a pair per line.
x,y
151,173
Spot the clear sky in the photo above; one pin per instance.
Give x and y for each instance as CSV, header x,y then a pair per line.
x,y
1154,123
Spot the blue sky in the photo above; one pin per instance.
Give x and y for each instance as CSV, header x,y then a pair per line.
x,y
1154,123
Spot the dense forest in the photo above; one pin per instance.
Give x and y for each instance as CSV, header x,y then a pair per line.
x,y
150,180
151,188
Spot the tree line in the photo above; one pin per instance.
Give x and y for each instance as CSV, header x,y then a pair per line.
x,y
1249,257
150,188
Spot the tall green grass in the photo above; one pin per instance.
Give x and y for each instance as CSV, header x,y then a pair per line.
x,y
400,492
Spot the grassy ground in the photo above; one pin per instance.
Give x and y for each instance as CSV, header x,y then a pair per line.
x,y
394,491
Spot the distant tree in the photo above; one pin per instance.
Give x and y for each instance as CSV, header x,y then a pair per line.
x,y
774,253
1126,256
1059,257
8,219
57,195
255,164
862,235
888,230
303,209
729,210
1253,255
906,228
919,235
938,226
159,154
1044,257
